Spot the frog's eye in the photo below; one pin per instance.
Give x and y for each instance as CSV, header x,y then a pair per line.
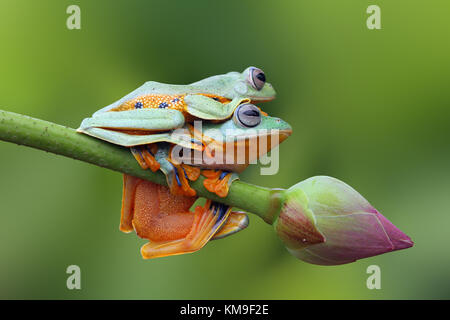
x,y
247,115
257,78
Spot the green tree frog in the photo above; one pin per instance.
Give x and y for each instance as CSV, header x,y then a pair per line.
x,y
162,124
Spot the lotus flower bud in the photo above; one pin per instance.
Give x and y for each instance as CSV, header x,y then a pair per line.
x,y
325,221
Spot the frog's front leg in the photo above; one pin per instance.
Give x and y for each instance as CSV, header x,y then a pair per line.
x,y
208,108
134,127
165,219
218,181
177,174
145,156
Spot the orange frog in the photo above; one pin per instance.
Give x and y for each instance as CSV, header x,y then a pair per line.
x,y
210,127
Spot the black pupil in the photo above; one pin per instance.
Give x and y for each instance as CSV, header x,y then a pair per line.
x,y
261,76
251,113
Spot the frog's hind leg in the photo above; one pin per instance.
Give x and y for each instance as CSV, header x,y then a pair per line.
x,y
207,221
236,222
154,213
130,184
165,219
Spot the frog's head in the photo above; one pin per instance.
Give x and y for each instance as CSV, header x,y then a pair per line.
x,y
251,83
249,132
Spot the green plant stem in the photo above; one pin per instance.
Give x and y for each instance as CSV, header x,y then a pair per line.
x,y
47,136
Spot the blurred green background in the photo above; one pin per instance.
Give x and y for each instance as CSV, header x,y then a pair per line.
x,y
370,107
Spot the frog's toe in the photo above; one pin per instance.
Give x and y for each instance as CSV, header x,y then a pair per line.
x,y
208,220
223,185
192,173
145,156
149,156
179,183
217,182
137,153
236,222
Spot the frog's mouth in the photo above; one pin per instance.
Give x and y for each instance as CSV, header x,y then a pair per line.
x,y
261,99
271,137
284,134
222,99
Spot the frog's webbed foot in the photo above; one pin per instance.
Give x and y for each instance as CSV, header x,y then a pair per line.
x,y
166,221
207,221
145,156
180,177
177,174
236,222
218,181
